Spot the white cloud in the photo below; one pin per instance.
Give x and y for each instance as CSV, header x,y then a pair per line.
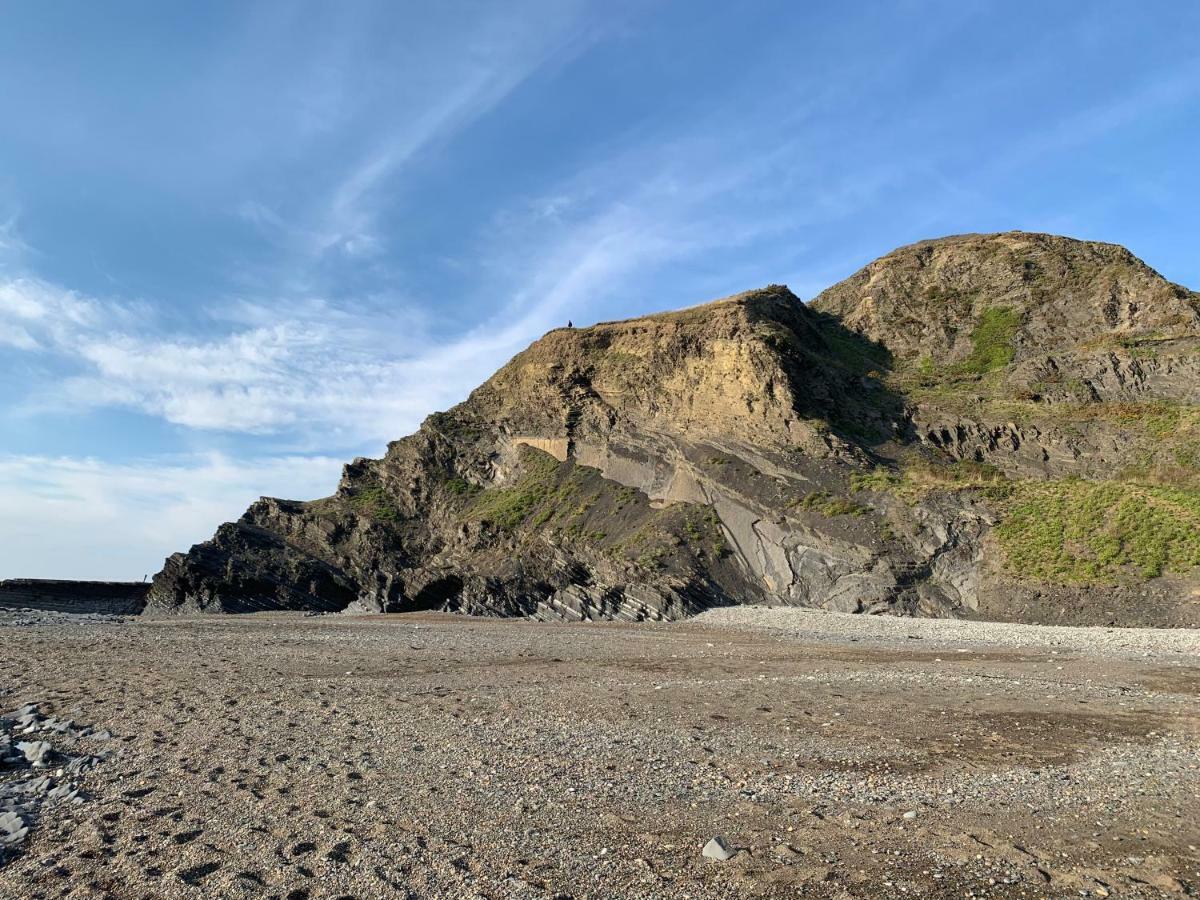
x,y
82,518
11,243
37,304
451,79
314,368
16,336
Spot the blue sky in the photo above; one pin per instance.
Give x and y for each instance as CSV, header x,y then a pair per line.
x,y
241,243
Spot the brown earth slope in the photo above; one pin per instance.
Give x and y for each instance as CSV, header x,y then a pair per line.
x,y
986,425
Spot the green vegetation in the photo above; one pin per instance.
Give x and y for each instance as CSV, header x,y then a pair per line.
x,y
621,360
829,506
1187,457
1094,532
1162,420
1067,531
919,476
875,480
509,507
992,341
625,496
840,506
853,351
454,427
376,503
577,502
992,348
703,528
1159,439
1147,345
459,486
1158,419
653,558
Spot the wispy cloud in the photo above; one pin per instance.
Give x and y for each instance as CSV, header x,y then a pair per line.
x,y
84,518
449,84
12,246
318,368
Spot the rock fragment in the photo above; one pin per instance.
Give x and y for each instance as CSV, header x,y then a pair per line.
x,y
718,849
37,753
12,829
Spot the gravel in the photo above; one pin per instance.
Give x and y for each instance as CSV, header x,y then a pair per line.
x,y
487,758
28,790
818,625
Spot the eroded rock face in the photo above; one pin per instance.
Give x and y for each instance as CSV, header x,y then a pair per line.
x,y
77,597
755,449
921,300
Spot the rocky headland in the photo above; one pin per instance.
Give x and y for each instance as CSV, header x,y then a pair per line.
x,y
998,426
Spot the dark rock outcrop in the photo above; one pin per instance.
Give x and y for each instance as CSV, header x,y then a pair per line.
x,y
104,597
854,454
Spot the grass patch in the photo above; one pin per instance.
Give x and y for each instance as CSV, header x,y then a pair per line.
x,y
508,508
1096,532
992,341
460,487
455,428
375,503
992,349
1158,419
702,528
855,352
920,476
875,480
567,501
829,506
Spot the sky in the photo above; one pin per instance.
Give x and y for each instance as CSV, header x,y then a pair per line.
x,y
244,242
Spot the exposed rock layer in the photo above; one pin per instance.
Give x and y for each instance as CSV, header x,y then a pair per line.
x,y
106,597
758,449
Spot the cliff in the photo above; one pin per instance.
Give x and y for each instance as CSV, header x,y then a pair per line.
x,y
986,425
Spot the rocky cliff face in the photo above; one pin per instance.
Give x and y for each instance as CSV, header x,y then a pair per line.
x,y
84,597
1000,425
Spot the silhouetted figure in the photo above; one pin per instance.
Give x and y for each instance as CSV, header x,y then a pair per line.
x,y
569,324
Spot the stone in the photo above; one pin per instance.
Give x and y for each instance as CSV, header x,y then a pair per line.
x,y
12,829
64,792
37,753
718,849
